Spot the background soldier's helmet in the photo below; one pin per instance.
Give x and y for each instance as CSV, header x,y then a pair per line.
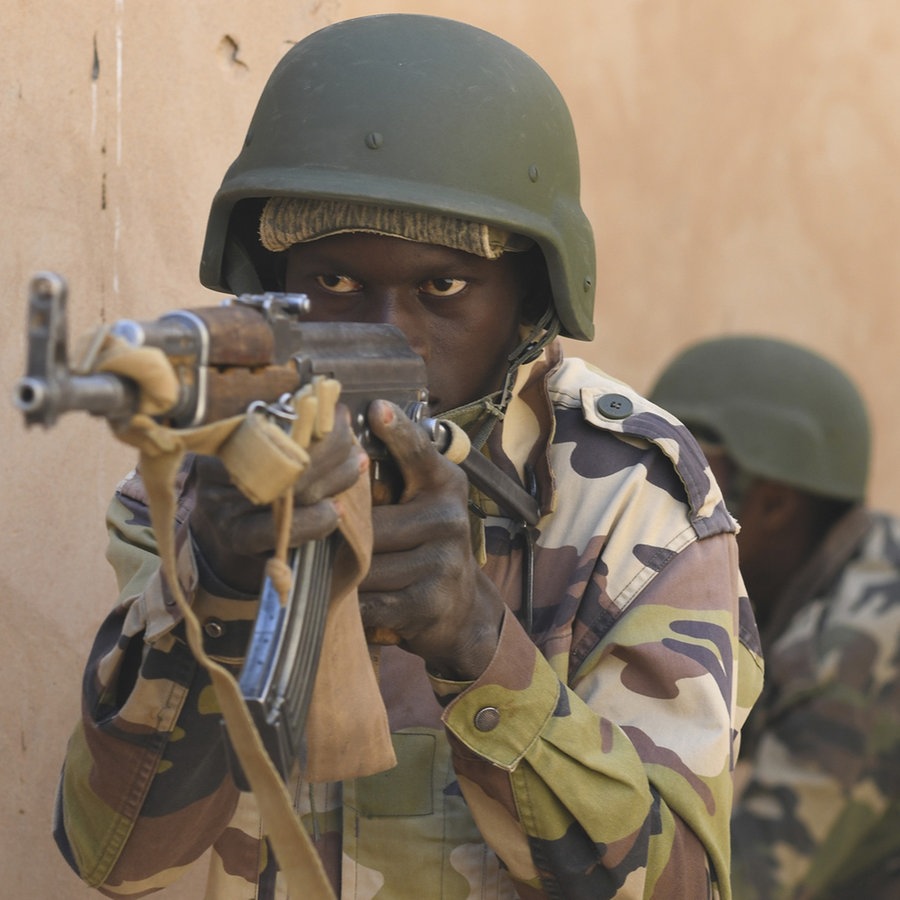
x,y
781,411
414,112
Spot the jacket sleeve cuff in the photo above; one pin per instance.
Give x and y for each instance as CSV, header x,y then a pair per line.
x,y
501,714
223,613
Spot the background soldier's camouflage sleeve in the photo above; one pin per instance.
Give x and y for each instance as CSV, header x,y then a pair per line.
x,y
594,754
821,813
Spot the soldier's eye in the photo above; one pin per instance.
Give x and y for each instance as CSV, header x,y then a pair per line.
x,y
338,284
444,287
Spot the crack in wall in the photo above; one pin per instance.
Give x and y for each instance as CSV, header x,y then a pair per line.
x,y
229,49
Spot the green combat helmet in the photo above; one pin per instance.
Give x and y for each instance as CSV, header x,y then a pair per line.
x,y
413,112
781,411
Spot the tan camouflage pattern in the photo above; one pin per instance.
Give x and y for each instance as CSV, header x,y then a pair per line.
x,y
593,758
820,817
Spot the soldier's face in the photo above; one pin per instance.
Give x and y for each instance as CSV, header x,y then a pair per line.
x,y
459,312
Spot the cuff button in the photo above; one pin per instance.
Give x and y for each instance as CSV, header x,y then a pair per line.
x,y
487,719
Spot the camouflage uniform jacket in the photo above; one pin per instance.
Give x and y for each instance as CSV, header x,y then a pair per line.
x,y
820,817
608,771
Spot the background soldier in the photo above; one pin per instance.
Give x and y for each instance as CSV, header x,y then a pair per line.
x,y
787,436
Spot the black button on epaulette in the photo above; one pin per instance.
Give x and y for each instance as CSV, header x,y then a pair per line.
x,y
614,406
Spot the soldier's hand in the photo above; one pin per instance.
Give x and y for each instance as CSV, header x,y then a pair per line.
x,y
424,583
235,536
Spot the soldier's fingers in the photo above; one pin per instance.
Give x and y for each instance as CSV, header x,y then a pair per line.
x,y
409,445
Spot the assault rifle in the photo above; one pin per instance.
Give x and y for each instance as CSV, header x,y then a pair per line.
x,y
253,351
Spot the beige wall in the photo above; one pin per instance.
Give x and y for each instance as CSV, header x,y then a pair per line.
x,y
740,167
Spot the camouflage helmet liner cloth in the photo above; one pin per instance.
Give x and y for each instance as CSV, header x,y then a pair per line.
x,y
782,411
419,113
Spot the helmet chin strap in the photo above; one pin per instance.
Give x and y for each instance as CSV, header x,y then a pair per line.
x,y
482,415
539,335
